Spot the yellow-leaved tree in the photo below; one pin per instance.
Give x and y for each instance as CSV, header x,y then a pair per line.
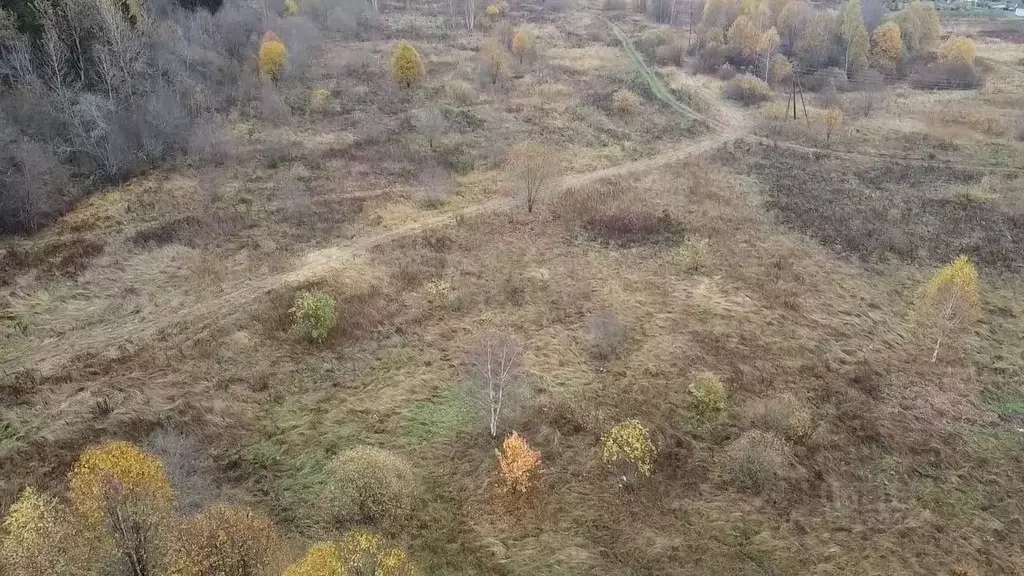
x,y
958,50
854,36
950,300
628,447
886,47
766,46
517,463
743,35
406,64
121,490
40,538
272,56
520,44
358,552
224,539
919,26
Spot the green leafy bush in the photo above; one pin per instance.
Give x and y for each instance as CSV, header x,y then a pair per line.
x,y
708,394
315,315
369,485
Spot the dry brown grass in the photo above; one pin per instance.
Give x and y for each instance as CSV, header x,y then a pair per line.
x,y
163,304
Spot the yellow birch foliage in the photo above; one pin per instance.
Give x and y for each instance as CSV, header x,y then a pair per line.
x,y
322,559
744,35
517,463
358,553
406,64
629,442
886,47
951,299
272,56
958,50
118,468
224,540
38,539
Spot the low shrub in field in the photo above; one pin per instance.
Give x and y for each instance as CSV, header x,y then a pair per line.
x,y
625,102
369,485
784,416
462,93
630,226
949,75
757,459
224,539
315,315
604,334
747,90
708,394
628,447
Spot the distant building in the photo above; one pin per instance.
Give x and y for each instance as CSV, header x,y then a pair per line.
x,y
1019,12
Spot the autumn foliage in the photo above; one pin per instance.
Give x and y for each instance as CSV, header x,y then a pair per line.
x,y
950,300
629,447
958,50
118,471
224,539
358,552
517,463
272,56
886,47
406,64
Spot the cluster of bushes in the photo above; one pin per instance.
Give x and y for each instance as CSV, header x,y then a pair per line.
x,y
772,38
120,516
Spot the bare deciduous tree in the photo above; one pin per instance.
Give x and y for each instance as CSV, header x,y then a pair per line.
x,y
469,10
532,167
494,368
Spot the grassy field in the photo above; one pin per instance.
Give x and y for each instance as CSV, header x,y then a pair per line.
x,y
689,237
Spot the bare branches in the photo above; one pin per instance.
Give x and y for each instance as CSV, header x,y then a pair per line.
x,y
494,369
532,167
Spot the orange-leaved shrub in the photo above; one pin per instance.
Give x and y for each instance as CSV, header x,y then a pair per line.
x,y
520,44
517,463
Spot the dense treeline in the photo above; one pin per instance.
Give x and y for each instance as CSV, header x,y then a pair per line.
x,y
774,37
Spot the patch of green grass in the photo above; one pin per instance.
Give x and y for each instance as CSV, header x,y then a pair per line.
x,y
438,418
